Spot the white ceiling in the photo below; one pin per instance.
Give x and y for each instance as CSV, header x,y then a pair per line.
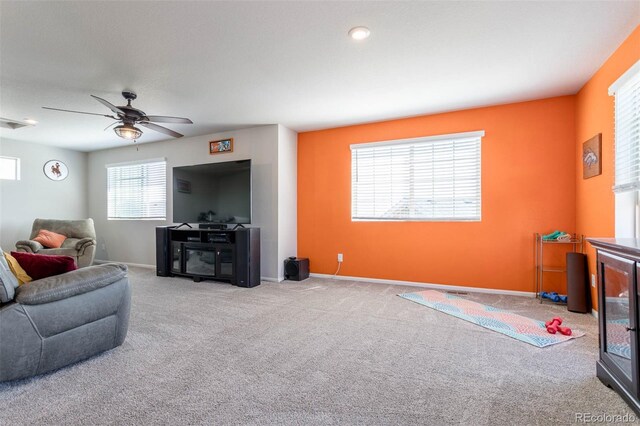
x,y
228,65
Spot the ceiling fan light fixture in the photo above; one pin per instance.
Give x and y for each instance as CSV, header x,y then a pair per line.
x,y
127,131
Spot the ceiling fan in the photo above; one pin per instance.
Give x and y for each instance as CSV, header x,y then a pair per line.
x,y
129,117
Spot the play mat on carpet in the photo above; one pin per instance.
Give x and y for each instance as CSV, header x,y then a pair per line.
x,y
513,325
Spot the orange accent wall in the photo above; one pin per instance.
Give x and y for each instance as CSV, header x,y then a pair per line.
x,y
595,202
528,185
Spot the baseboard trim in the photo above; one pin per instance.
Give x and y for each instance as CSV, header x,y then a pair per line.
x,y
139,265
270,279
427,285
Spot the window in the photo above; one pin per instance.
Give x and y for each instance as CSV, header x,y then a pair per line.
x,y
627,150
9,168
432,178
137,190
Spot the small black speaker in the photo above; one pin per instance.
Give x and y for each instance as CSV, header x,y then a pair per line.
x,y
296,269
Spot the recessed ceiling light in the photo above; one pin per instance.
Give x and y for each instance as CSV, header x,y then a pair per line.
x,y
30,121
359,33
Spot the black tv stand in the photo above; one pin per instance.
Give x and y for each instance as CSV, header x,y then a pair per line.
x,y
185,223
230,255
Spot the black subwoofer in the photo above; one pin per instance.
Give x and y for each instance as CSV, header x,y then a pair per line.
x,y
296,269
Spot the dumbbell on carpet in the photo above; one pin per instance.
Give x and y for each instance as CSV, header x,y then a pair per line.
x,y
553,327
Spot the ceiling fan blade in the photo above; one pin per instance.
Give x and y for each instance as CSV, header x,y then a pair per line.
x,y
80,112
160,129
109,105
165,119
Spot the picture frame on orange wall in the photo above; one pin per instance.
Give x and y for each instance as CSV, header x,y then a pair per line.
x,y
591,153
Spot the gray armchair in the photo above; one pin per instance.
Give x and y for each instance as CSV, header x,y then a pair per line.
x,y
80,243
56,321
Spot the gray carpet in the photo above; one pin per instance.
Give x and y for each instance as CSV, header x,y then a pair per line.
x,y
315,352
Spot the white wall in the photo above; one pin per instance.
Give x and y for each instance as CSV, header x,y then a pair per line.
x,y
272,149
287,196
35,195
134,241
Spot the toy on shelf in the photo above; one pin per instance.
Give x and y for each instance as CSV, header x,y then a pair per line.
x,y
551,236
558,236
553,296
553,327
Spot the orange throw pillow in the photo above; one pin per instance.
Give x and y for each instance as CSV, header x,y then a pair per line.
x,y
50,239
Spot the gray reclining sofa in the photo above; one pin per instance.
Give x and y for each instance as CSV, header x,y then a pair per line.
x,y
56,321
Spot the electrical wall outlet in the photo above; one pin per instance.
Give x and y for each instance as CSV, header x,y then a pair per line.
x,y
340,257
593,280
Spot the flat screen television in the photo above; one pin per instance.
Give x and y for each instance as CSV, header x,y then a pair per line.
x,y
216,193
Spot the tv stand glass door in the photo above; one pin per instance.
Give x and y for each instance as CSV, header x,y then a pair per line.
x,y
226,261
618,264
176,257
200,259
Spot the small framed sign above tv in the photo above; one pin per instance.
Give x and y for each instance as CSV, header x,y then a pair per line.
x,y
223,145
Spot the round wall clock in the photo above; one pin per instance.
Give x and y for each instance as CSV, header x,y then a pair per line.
x,y
55,170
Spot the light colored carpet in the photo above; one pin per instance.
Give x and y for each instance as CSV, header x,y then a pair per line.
x,y
315,352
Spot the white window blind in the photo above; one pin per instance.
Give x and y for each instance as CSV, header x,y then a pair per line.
x,y
627,130
137,190
432,178
9,168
